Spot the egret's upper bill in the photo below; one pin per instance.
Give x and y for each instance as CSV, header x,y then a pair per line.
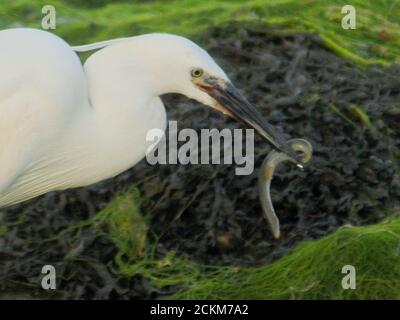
x,y
230,101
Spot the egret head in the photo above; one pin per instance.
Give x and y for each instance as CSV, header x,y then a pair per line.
x,y
187,69
199,77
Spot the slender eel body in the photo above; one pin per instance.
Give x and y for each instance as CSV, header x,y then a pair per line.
x,y
269,165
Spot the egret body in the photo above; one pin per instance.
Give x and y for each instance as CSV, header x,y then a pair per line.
x,y
64,125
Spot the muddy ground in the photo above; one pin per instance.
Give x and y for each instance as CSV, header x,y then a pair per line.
x,y
206,211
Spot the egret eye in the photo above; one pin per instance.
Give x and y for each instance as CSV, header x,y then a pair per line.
x,y
196,73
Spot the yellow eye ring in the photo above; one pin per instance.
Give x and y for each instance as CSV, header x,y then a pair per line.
x,y
196,72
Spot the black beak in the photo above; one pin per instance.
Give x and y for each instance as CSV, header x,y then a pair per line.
x,y
229,98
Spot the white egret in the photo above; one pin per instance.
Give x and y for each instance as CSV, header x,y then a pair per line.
x,y
64,126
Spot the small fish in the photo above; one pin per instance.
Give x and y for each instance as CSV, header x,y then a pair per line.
x,y
273,159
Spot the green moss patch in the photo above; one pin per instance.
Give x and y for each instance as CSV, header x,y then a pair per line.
x,y
313,270
376,38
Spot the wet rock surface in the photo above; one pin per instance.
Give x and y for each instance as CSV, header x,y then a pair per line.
x,y
350,115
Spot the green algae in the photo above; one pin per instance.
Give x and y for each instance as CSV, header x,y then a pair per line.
x,y
376,39
313,270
